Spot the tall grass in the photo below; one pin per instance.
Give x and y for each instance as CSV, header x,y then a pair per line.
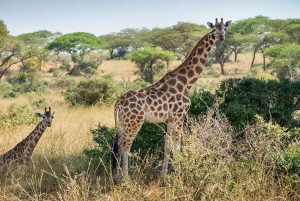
x,y
212,165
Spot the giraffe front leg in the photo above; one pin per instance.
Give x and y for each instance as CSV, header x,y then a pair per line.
x,y
172,142
167,151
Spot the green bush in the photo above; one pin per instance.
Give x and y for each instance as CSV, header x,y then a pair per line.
x,y
273,100
63,82
102,135
92,91
18,114
28,82
65,65
288,162
6,91
200,102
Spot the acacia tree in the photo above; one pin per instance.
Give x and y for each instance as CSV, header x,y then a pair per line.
x,y
124,41
78,43
150,61
179,39
285,58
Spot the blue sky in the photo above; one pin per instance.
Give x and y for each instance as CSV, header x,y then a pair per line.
x,y
105,16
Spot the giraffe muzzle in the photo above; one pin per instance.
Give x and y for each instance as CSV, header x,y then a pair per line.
x,y
221,38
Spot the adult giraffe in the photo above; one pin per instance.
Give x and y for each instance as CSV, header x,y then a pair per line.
x,y
20,155
165,101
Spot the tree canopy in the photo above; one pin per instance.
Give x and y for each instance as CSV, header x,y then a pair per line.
x,y
76,43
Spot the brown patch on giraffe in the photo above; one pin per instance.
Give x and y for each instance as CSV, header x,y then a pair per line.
x,y
172,99
190,73
186,99
211,42
148,101
208,49
205,55
193,80
179,87
126,109
133,99
195,60
165,106
172,82
160,101
190,63
140,95
132,105
206,45
133,116
182,79
202,61
206,39
200,51
213,37
172,75
155,103
153,96
135,111
159,93
172,90
164,87
164,97
175,107
36,139
182,71
159,108
198,69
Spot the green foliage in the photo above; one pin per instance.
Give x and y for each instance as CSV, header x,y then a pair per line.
x,y
79,42
285,58
200,102
103,136
288,162
28,82
65,65
274,101
18,114
6,91
150,61
63,82
92,91
3,30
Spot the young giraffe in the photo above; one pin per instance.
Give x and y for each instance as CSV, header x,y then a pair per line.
x,y
20,155
165,101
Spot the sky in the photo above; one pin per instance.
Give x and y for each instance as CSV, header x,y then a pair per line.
x,y
101,17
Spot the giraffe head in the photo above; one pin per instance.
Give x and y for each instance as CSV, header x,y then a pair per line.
x,y
47,117
219,29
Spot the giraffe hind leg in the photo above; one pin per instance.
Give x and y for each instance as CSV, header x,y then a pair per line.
x,y
115,158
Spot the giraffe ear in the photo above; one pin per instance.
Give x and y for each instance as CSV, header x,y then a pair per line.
x,y
39,115
53,113
227,23
210,25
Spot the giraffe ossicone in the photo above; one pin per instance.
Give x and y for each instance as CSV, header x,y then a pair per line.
x,y
165,101
21,154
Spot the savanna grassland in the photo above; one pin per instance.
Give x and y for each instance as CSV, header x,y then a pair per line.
x,y
213,167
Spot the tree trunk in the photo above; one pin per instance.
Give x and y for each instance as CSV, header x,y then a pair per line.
x,y
253,59
235,55
222,68
264,62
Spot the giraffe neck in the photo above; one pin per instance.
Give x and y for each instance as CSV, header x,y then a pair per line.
x,y
30,142
188,72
